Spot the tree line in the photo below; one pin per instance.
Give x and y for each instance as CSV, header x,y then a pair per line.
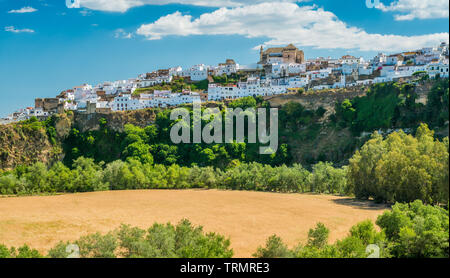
x,y
86,176
399,168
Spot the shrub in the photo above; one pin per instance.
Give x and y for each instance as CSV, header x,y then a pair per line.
x,y
275,248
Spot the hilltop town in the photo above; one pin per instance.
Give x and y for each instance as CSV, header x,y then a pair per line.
x,y
280,70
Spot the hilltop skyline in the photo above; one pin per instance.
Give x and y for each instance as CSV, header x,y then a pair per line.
x,y
46,47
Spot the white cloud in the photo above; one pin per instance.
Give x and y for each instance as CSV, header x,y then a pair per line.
x,y
420,9
121,34
14,30
284,23
23,10
124,5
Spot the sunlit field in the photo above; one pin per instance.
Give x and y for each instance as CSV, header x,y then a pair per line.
x,y
248,218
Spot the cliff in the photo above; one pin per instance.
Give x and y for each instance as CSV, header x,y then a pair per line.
x,y
28,142
115,120
22,145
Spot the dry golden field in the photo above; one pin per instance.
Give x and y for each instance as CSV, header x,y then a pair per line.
x,y
248,218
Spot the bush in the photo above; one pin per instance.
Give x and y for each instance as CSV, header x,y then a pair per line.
x,y
318,237
416,230
275,248
24,252
401,168
159,241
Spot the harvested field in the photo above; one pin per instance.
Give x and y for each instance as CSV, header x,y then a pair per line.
x,y
248,218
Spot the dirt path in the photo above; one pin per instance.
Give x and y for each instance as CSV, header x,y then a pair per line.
x,y
248,218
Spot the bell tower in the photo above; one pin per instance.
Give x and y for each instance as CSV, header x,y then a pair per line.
x,y
261,53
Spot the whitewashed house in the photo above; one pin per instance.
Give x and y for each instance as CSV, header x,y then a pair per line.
x,y
295,68
298,82
439,68
227,68
348,69
324,73
197,72
348,59
125,102
365,69
176,71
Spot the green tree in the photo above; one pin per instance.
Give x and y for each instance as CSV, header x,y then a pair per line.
x,y
401,168
416,230
318,237
275,248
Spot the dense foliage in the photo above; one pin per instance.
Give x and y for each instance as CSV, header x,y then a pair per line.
x,y
153,143
33,126
391,105
86,175
401,168
416,230
386,105
436,110
410,230
159,241
24,252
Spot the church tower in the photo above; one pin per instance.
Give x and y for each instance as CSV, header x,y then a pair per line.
x,y
261,52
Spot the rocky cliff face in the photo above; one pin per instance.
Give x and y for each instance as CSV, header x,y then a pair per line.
x,y
325,99
22,143
116,120
22,146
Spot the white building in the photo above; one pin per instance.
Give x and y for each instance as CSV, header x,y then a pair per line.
x,y
197,72
152,81
125,102
82,92
295,68
394,60
348,59
298,82
365,69
321,74
440,68
176,71
243,89
227,68
379,60
348,69
341,84
387,71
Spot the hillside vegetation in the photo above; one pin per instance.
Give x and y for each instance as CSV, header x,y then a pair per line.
x,y
326,127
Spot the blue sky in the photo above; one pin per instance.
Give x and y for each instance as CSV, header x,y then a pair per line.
x,y
46,47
